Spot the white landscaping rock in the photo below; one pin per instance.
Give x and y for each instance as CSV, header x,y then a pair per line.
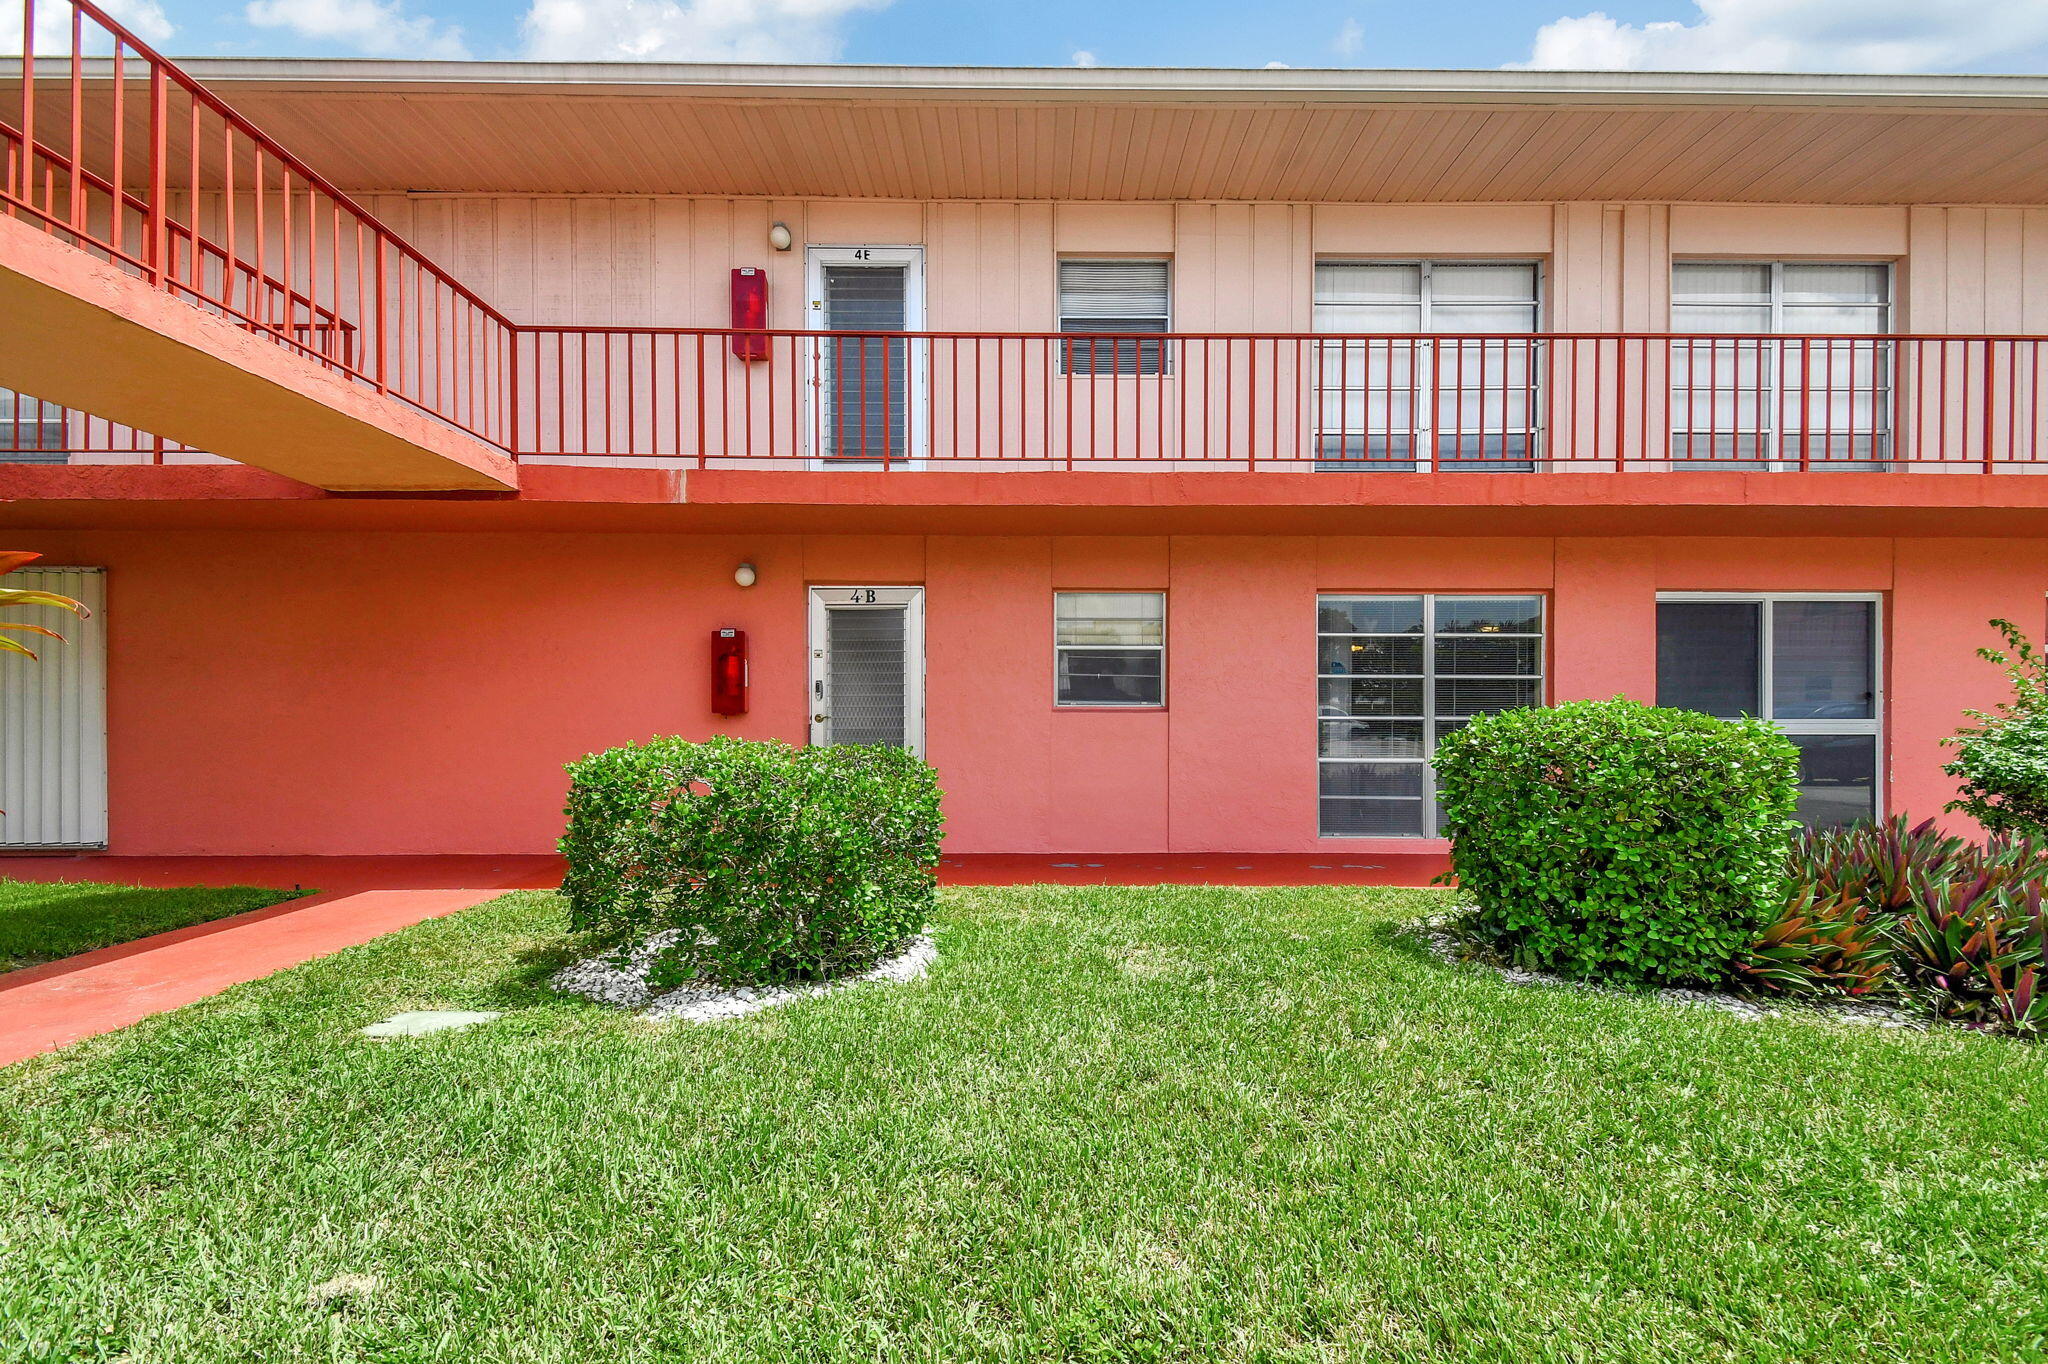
x,y
1435,934
623,983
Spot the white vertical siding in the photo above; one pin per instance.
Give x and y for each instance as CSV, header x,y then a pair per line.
x,y
53,720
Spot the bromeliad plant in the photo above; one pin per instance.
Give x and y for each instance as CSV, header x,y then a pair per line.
x,y
1904,911
23,596
1820,943
1977,947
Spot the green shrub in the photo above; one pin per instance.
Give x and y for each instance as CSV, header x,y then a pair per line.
x,y
771,862
1612,840
2001,762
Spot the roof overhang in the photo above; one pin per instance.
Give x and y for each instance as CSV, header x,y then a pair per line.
x,y
1132,134
1149,134
1172,84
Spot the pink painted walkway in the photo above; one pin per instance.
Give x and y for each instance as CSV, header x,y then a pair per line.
x,y
58,1003
50,1006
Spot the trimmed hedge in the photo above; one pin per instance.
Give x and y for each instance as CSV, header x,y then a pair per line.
x,y
1613,840
773,862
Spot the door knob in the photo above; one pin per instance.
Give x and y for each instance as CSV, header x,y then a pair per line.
x,y
819,719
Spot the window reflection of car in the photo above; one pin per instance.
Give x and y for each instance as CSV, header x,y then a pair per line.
x,y
1834,759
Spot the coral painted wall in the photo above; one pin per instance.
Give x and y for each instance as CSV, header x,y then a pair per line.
x,y
304,692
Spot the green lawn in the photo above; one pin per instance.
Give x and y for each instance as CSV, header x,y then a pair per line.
x,y
43,921
1157,1124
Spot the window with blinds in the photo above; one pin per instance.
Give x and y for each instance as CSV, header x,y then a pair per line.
x,y
1461,399
1752,405
1110,648
32,431
1105,305
1395,674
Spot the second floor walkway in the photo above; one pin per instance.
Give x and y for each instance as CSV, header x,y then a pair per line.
x,y
181,283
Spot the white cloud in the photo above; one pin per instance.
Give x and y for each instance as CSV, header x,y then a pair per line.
x,y
1278,66
1350,39
1797,35
379,28
690,30
1083,58
143,18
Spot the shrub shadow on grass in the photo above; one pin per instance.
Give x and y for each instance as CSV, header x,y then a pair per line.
x,y
524,981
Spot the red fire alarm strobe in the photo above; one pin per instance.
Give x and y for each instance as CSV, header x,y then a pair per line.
x,y
749,312
728,672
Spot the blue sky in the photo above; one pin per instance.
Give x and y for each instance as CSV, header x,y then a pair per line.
x,y
1849,35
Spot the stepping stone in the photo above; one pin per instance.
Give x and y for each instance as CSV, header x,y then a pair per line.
x,y
420,1022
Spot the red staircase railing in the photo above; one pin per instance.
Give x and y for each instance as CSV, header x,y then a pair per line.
x,y
111,146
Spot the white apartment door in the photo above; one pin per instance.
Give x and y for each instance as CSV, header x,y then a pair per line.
x,y
867,387
867,666
53,720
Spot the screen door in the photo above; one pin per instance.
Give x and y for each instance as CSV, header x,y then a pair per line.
x,y
867,666
867,382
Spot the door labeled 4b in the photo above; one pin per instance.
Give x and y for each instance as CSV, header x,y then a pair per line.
x,y
867,666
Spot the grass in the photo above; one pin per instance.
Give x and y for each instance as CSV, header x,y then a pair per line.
x,y
46,921
1158,1124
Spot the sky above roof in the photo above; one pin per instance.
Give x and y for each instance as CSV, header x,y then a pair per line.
x,y
1714,35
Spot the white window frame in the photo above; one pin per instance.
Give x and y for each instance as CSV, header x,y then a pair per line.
x,y
1767,679
1430,719
1423,414
1773,441
1426,292
1059,304
37,429
53,788
1058,648
916,351
1780,308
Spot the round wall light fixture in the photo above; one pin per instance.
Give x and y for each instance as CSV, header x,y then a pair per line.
x,y
744,575
779,238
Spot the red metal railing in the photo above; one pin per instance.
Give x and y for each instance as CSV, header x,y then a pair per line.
x,y
108,145
1500,403
1479,403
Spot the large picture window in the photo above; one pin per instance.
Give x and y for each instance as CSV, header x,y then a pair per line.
x,y
1808,663
1396,673
1387,400
1821,403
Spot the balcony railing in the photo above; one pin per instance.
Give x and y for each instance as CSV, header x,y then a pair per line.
x,y
107,145
1499,403
1502,403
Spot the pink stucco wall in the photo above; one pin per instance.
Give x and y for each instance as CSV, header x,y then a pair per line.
x,y
279,691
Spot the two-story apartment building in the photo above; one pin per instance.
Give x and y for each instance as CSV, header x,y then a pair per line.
x,y
1170,456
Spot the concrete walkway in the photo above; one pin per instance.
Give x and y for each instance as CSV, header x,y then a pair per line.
x,y
50,1006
